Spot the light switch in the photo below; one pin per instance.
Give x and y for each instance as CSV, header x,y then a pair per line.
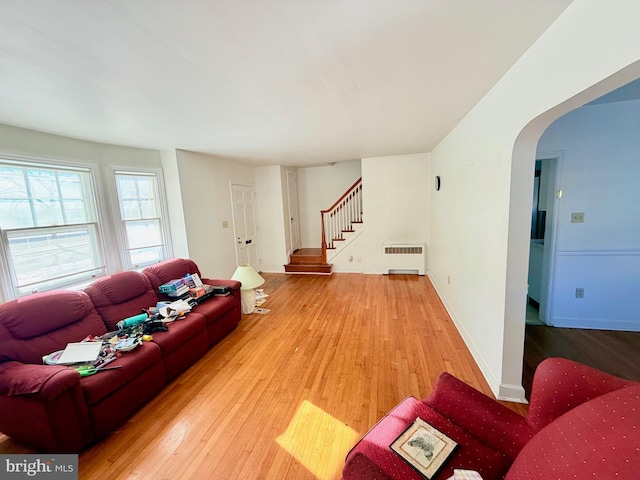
x,y
577,217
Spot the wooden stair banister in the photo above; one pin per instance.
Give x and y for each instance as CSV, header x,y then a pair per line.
x,y
341,216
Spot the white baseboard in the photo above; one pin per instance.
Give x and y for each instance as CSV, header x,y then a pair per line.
x,y
506,392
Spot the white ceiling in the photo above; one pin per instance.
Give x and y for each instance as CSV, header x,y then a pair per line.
x,y
290,82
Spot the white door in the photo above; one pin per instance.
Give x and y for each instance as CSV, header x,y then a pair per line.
x,y
244,225
294,227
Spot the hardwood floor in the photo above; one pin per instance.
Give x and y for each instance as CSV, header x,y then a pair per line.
x,y
287,394
617,353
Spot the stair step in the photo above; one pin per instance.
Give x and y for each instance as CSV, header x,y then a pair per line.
x,y
306,256
308,260
309,268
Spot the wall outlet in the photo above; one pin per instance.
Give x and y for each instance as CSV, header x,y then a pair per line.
x,y
577,217
225,224
579,292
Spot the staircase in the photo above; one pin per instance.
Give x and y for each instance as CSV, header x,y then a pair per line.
x,y
308,260
338,224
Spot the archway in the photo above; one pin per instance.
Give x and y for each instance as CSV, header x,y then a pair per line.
x,y
521,186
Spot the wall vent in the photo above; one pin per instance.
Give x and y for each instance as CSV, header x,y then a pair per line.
x,y
403,259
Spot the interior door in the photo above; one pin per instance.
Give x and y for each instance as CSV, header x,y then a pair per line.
x,y
244,224
294,227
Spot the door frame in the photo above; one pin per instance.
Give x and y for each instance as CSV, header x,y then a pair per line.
x,y
551,238
257,266
292,200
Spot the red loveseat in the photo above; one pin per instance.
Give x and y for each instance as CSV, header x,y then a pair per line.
x,y
52,408
582,423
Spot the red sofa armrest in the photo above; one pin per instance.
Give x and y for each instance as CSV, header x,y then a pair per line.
x,y
40,382
559,385
217,282
42,406
481,416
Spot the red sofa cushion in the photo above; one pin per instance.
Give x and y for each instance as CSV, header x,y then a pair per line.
x,y
373,449
120,296
180,332
481,416
42,323
560,385
598,439
163,272
96,387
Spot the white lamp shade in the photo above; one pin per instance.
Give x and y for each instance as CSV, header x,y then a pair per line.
x,y
247,276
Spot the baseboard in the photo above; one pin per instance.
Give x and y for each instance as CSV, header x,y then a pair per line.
x,y
511,393
506,392
597,324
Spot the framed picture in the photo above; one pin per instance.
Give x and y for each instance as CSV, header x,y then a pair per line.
x,y
424,447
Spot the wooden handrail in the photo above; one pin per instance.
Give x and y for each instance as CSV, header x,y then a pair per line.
x,y
343,196
347,196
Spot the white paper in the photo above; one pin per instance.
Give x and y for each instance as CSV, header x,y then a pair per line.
x,y
80,352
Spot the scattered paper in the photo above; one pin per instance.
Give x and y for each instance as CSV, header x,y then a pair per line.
x,y
261,311
465,475
80,352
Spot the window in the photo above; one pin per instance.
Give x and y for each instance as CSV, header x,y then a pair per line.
x,y
48,224
141,216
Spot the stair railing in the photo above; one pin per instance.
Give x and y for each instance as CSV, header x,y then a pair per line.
x,y
341,216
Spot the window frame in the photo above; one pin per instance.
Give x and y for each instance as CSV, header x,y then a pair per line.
x,y
121,224
10,287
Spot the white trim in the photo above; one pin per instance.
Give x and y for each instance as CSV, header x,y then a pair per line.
x,y
511,393
552,241
117,216
597,324
89,176
500,391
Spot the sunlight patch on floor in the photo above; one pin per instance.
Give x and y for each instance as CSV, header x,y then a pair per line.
x,y
318,441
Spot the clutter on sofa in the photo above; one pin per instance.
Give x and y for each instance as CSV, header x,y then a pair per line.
x,y
582,423
64,408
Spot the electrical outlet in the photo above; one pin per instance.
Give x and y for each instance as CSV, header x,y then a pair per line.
x,y
225,224
577,217
579,292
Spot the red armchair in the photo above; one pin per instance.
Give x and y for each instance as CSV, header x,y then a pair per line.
x,y
582,423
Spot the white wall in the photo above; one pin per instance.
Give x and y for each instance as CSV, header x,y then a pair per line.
x,y
174,203
205,185
600,170
272,210
395,192
480,220
318,189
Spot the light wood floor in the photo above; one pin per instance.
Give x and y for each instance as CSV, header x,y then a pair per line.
x,y
287,394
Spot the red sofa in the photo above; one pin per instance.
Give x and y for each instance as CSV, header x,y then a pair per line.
x,y
581,423
52,408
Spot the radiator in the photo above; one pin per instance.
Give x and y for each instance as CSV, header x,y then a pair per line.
x,y
403,259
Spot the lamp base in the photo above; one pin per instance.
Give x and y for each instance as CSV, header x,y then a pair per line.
x,y
248,300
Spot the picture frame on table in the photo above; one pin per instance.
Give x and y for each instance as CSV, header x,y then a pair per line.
x,y
424,447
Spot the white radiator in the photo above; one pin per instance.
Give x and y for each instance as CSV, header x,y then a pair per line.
x,y
403,259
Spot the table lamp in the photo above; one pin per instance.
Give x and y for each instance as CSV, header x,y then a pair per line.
x,y
250,279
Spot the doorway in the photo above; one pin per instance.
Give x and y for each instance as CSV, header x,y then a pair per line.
x,y
292,197
244,225
546,192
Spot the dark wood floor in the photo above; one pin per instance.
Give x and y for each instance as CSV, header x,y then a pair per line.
x,y
617,353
